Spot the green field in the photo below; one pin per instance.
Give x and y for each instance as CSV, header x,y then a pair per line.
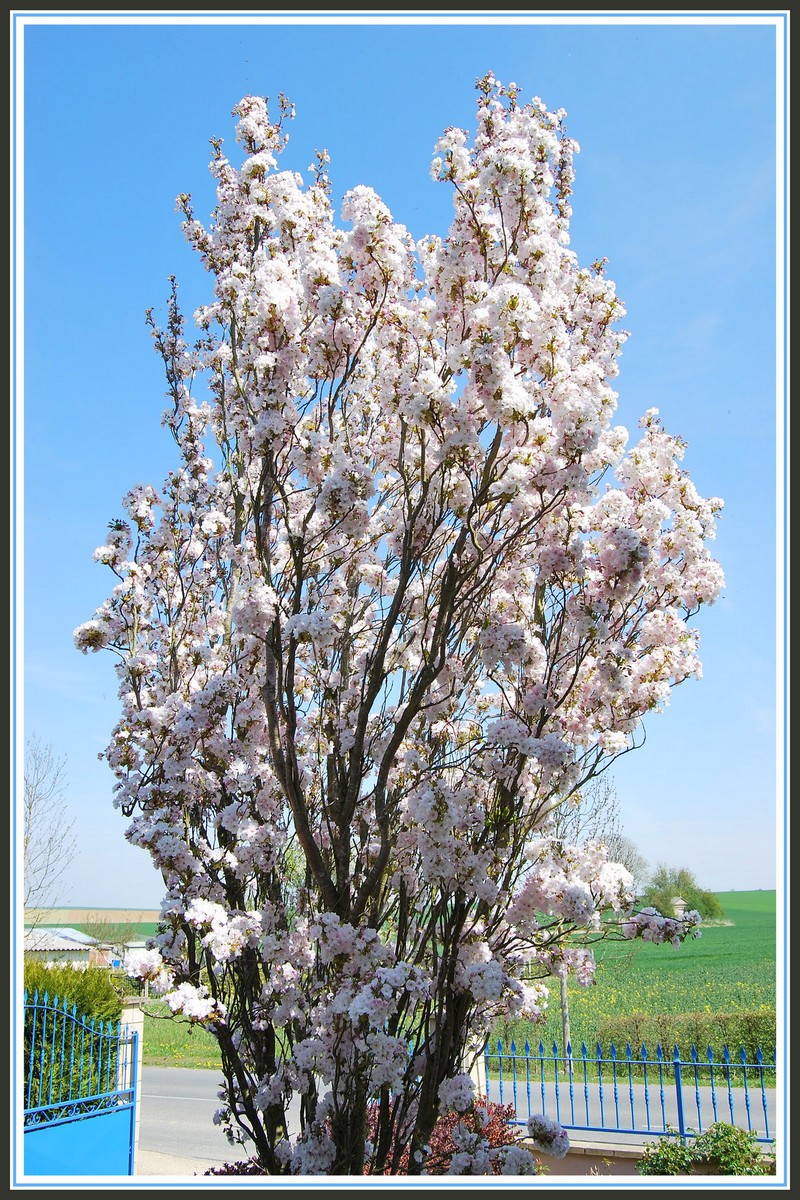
x,y
730,969
133,931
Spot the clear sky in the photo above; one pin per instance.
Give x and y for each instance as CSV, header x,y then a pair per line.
x,y
675,186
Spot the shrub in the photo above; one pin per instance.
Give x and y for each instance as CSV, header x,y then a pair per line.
x,y
668,1156
748,1031
90,989
722,1150
727,1150
250,1166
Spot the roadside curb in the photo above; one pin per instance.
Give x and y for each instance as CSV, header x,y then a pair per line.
x,y
154,1162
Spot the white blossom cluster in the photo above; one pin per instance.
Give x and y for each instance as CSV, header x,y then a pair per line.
x,y
572,882
457,1093
651,926
547,1135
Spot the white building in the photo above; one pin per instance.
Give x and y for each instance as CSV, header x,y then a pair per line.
x,y
65,945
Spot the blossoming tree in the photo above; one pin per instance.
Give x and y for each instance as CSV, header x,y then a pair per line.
x,y
405,591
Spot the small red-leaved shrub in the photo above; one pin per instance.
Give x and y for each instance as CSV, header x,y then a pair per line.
x,y
498,1131
250,1167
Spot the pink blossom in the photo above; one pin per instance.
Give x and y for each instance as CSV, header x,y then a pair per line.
x,y
406,588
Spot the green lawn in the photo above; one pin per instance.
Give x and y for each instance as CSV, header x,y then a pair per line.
x,y
174,1042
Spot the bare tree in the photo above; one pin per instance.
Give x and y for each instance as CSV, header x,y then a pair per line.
x,y
594,816
116,934
623,850
49,841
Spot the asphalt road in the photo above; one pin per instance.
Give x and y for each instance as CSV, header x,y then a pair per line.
x,y
176,1122
177,1134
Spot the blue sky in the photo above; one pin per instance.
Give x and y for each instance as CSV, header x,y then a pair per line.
x,y
675,185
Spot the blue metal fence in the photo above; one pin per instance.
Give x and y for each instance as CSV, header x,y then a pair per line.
x,y
77,1070
634,1092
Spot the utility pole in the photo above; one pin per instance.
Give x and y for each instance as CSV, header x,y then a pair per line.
x,y
565,1012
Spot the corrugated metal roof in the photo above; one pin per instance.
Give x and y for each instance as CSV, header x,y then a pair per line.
x,y
73,935
50,940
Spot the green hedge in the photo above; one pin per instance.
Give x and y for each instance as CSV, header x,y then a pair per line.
x,y
91,990
748,1030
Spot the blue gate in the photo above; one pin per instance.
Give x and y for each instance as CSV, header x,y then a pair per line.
x,y
80,1092
634,1093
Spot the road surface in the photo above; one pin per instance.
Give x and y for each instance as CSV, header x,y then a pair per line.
x,y
177,1134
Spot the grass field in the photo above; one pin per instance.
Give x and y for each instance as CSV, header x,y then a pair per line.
x,y
173,1042
730,969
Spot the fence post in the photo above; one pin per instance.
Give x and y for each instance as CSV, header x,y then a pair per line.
x,y
676,1058
133,1017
